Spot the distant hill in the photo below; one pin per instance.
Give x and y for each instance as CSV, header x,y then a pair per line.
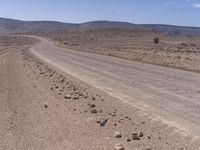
x,y
107,24
11,26
174,30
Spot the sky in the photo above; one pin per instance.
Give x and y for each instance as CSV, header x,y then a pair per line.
x,y
175,12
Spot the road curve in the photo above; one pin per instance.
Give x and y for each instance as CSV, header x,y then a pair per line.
x,y
170,94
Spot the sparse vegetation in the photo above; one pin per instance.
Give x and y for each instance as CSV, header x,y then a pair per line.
x,y
156,40
184,44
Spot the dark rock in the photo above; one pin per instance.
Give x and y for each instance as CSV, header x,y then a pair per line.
x,y
94,111
91,105
67,96
140,134
135,136
76,97
128,140
102,122
118,135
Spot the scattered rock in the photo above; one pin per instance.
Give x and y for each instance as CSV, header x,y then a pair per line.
x,y
135,136
149,137
94,111
140,134
76,97
91,105
45,106
67,96
113,115
128,140
147,148
80,94
102,122
93,98
118,135
119,147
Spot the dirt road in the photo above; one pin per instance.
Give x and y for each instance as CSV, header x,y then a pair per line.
x,y
43,107
170,94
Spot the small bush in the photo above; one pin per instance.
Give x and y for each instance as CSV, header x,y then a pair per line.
x,y
184,44
156,40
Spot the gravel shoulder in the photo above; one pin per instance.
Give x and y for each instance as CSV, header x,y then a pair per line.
x,y
42,107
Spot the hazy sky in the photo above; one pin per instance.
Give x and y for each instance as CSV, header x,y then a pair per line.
x,y
178,12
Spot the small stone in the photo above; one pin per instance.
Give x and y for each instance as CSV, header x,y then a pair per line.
x,y
76,97
98,121
93,98
135,136
147,148
119,147
118,135
128,140
45,106
94,111
67,96
80,94
102,122
140,134
91,105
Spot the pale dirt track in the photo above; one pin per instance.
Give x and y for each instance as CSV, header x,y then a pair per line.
x,y
170,94
36,115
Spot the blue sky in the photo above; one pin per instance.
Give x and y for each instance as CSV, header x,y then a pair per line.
x,y
177,12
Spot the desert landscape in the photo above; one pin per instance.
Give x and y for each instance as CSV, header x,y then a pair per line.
x,y
178,50
98,85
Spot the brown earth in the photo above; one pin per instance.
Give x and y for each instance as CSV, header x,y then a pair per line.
x,y
42,107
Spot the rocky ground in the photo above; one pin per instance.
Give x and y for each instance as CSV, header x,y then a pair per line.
x,y
44,108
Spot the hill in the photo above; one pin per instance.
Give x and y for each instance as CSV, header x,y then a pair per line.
x,y
10,25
